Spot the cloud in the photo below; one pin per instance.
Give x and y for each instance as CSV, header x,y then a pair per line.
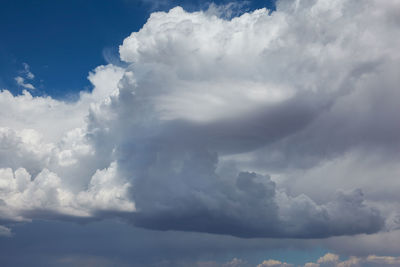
x,y
4,231
328,257
276,263
221,126
383,260
52,173
331,259
229,10
233,121
21,82
327,260
24,199
27,75
27,72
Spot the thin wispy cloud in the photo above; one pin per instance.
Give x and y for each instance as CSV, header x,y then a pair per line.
x,y
27,72
21,82
26,75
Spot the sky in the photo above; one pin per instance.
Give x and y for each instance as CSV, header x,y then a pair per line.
x,y
67,39
186,133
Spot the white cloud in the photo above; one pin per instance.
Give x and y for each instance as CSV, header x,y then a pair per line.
x,y
328,257
331,259
275,263
21,82
27,72
24,198
47,165
107,192
26,75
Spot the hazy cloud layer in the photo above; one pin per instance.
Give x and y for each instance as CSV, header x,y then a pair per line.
x,y
264,125
327,260
333,260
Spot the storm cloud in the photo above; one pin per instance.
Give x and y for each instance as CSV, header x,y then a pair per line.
x,y
221,126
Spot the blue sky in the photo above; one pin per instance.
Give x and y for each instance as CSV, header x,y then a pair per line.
x,y
192,133
63,40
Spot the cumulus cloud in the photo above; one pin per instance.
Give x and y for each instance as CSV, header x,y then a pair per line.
x,y
328,257
47,165
216,125
45,197
248,109
275,263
